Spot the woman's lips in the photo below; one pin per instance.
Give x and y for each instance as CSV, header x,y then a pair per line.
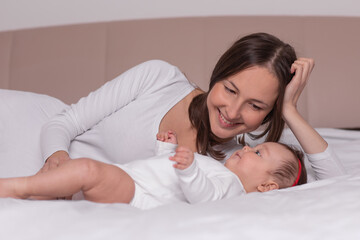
x,y
224,122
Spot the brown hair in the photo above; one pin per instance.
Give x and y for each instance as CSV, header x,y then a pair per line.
x,y
287,173
258,49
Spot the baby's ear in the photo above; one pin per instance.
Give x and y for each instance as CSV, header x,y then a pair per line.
x,y
267,186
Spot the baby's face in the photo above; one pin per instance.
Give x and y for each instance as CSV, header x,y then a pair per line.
x,y
254,165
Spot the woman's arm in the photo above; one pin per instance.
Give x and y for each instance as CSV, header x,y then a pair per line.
x,y
143,79
309,139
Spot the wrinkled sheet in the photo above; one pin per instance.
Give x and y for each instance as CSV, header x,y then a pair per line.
x,y
326,209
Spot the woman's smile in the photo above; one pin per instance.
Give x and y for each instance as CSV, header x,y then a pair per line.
x,y
226,123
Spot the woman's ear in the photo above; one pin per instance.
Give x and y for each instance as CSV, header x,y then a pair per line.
x,y
267,186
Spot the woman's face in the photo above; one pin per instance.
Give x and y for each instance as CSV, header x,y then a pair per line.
x,y
240,103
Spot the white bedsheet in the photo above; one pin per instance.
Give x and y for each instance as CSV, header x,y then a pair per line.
x,y
327,209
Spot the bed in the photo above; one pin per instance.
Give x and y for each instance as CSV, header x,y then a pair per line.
x,y
326,209
67,62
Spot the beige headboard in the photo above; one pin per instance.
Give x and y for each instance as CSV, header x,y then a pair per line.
x,y
68,62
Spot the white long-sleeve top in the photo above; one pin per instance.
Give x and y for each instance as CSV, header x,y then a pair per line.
x,y
158,182
118,122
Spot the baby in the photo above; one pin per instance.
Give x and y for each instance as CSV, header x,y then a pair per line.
x,y
148,183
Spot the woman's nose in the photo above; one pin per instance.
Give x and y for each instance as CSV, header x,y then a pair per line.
x,y
234,111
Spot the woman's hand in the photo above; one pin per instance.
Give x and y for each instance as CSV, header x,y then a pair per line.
x,y
309,139
55,160
302,68
183,157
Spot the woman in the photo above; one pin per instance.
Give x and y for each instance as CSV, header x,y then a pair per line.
x,y
248,88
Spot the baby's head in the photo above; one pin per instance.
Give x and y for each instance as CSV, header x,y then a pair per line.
x,y
268,166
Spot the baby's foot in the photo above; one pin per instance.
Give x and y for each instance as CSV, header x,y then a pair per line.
x,y
169,137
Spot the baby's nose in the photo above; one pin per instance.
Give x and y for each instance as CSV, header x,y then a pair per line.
x,y
246,148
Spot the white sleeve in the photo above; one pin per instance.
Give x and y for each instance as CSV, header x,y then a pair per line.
x,y
326,164
198,187
164,148
59,131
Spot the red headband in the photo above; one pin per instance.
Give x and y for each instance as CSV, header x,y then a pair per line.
x,y
298,175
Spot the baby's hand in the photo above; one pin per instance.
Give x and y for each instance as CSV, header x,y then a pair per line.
x,y
183,157
169,137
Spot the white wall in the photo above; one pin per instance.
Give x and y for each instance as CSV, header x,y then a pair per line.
x,y
20,14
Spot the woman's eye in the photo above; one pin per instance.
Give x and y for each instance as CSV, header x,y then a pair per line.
x,y
255,107
229,90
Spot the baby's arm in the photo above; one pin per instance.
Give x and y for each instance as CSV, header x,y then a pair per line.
x,y
183,158
196,186
202,185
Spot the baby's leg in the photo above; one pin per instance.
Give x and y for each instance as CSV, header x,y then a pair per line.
x,y
99,182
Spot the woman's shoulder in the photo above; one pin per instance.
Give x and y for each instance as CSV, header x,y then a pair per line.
x,y
160,74
157,64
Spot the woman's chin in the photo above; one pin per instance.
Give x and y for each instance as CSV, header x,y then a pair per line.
x,y
224,133
227,133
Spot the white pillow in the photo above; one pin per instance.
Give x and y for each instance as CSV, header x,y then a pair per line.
x,y
22,116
